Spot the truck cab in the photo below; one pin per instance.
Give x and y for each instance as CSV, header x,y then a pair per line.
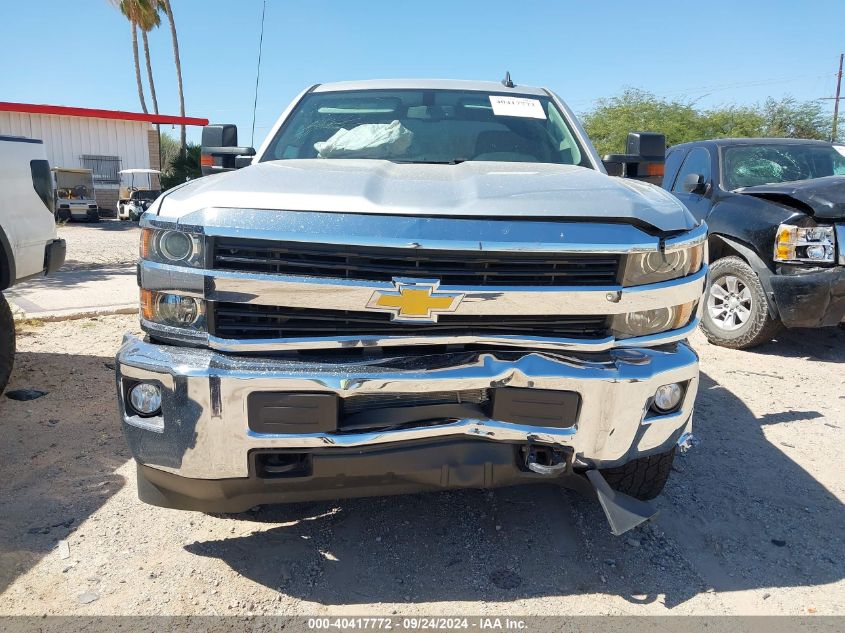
x,y
776,213
412,285
28,243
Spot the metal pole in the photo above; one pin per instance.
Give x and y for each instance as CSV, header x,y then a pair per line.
x,y
836,99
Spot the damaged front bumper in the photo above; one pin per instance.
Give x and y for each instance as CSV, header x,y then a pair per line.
x,y
202,450
810,299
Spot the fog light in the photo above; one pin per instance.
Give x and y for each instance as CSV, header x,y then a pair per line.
x,y
668,397
145,398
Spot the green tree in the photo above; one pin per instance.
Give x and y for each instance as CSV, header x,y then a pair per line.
x,y
636,110
185,166
790,118
169,148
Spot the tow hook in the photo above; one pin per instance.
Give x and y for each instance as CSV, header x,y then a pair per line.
x,y
687,441
623,512
545,460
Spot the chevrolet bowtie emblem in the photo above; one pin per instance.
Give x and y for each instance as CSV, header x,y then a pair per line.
x,y
415,300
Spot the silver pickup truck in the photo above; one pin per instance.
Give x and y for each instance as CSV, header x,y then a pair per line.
x,y
412,286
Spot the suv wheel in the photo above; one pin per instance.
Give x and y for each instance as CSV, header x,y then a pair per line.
x,y
7,342
736,313
643,478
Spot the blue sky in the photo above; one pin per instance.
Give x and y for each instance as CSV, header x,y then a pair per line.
x,y
715,52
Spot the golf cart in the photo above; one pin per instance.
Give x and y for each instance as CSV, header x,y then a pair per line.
x,y
75,198
138,189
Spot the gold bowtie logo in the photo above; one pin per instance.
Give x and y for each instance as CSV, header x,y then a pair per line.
x,y
415,300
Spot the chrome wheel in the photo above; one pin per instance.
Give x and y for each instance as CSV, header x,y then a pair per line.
x,y
729,303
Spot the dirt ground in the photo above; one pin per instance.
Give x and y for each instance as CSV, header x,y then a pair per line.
x,y
104,243
751,520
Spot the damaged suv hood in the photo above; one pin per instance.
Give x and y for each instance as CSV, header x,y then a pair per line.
x,y
820,197
469,189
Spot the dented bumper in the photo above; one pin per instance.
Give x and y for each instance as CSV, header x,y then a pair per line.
x,y
204,431
810,299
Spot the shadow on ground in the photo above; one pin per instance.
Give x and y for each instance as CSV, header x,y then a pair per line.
x,y
88,273
58,454
105,224
739,515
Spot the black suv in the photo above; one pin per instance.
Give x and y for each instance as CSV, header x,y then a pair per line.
x,y
775,209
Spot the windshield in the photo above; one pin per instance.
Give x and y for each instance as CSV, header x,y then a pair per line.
x,y
71,185
148,195
751,165
426,126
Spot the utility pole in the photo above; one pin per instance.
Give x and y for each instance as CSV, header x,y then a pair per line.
x,y
836,99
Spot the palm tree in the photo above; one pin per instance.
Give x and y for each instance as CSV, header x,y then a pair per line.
x,y
167,7
148,20
132,10
143,16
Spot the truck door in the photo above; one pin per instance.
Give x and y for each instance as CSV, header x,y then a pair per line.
x,y
694,183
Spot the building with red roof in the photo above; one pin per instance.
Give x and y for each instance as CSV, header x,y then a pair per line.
x,y
105,141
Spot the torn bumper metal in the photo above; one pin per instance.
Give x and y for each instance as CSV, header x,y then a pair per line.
x,y
203,431
810,299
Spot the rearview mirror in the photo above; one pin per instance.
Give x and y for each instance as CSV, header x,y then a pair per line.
x,y
694,183
220,149
644,158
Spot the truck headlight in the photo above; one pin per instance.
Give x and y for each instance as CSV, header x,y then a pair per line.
x,y
172,309
807,244
652,321
171,247
656,266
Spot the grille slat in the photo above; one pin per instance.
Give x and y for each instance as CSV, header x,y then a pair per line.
x,y
477,268
246,321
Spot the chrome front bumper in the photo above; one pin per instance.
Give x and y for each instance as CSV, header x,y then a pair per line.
x,y
203,431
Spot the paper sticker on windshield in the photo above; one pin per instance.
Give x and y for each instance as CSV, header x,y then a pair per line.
x,y
840,149
517,106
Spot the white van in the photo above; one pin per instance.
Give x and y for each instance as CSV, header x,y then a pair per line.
x,y
28,244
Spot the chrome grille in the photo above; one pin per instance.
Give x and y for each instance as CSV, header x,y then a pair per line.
x,y
452,268
248,321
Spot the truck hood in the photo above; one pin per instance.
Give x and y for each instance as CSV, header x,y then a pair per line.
x,y
469,189
820,197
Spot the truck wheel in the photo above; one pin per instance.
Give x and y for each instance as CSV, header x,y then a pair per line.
x,y
736,313
642,478
7,342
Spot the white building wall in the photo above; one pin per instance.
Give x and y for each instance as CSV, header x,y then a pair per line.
x,y
67,138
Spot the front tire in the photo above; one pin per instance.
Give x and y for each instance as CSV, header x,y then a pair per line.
x,y
7,342
736,313
643,478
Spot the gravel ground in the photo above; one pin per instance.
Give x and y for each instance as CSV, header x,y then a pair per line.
x,y
104,243
751,520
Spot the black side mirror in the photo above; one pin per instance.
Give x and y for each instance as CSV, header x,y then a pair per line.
x,y
644,158
613,167
694,183
220,150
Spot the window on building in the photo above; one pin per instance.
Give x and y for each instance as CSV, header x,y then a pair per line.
x,y
105,168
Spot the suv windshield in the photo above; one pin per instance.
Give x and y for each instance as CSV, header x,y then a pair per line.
x,y
427,126
750,165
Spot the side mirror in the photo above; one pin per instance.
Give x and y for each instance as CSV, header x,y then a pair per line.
x,y
694,183
613,167
220,150
644,158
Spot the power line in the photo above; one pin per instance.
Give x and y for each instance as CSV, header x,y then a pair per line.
x,y
258,72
